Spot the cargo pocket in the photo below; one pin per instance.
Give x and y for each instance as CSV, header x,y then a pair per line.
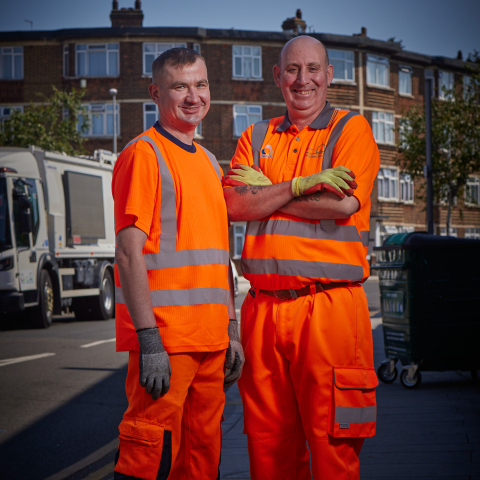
x,y
353,409
141,447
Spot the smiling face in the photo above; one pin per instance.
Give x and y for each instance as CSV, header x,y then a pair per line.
x,y
303,75
183,96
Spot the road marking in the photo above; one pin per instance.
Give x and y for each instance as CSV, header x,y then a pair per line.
x,y
237,311
10,361
94,344
99,474
85,462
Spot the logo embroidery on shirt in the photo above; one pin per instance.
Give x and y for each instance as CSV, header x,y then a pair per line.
x,y
315,152
266,152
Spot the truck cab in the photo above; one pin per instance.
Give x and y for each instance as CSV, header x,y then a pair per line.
x,y
57,239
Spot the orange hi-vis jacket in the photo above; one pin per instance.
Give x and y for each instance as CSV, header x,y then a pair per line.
x,y
283,251
173,193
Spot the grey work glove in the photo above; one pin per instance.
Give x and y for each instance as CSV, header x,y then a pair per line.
x,y
235,358
155,367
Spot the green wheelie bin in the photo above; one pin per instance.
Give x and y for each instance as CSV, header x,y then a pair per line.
x,y
430,304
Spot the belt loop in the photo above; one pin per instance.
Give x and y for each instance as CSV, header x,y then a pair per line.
x,y
319,287
313,288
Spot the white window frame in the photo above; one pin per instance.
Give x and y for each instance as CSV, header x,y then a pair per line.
x,y
473,184
147,110
406,72
446,79
66,61
407,188
453,231
388,178
467,86
158,49
378,61
108,48
385,121
333,55
239,230
236,114
197,47
244,55
11,52
472,233
93,109
6,108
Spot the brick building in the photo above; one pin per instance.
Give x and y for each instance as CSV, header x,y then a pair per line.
x,y
376,78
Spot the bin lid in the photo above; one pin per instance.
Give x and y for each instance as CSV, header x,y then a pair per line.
x,y
412,240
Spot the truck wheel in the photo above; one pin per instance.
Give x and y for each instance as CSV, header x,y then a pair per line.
x,y
383,376
43,314
101,307
408,382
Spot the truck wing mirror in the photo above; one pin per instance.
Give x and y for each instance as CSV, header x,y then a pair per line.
x,y
26,223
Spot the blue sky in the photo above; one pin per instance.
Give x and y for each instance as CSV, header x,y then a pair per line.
x,y
434,27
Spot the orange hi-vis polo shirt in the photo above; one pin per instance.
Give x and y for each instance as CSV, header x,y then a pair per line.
x,y
173,193
284,251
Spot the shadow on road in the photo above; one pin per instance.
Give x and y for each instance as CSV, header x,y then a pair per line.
x,y
70,433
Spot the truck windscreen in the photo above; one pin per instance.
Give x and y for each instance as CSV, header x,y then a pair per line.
x,y
5,236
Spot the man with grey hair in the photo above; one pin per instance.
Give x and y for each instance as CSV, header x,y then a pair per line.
x,y
175,311
303,182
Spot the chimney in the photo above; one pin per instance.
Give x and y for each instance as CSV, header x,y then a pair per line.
x,y
362,34
127,17
459,55
295,24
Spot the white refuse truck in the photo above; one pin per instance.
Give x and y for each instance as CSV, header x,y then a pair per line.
x,y
57,235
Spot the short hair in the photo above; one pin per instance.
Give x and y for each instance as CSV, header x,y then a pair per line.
x,y
283,48
175,57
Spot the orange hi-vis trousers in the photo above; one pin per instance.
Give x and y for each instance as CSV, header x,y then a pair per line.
x,y
179,435
308,377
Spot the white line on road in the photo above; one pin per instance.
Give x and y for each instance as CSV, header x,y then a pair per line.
x,y
10,361
94,344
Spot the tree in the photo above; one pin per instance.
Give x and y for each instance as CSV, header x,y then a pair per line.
x,y
52,125
455,139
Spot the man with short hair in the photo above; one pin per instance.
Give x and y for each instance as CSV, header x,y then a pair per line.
x,y
175,312
303,184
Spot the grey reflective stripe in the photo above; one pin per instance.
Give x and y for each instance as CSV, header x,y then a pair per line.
x,y
355,414
332,140
302,268
179,297
319,231
365,234
185,258
258,136
214,162
168,212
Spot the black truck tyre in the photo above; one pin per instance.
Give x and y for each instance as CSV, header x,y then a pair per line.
x,y
101,307
43,314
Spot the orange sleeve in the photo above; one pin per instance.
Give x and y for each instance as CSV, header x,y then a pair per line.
x,y
134,187
357,150
243,153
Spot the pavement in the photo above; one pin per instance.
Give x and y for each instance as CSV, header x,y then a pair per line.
x,y
432,432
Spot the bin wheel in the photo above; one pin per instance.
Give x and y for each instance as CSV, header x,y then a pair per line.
x,y
383,376
408,382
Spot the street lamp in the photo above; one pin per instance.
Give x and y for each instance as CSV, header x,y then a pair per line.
x,y
113,93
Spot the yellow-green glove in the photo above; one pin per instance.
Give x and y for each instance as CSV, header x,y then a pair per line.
x,y
338,180
241,175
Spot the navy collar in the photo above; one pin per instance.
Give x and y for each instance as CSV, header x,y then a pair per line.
x,y
319,123
188,148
